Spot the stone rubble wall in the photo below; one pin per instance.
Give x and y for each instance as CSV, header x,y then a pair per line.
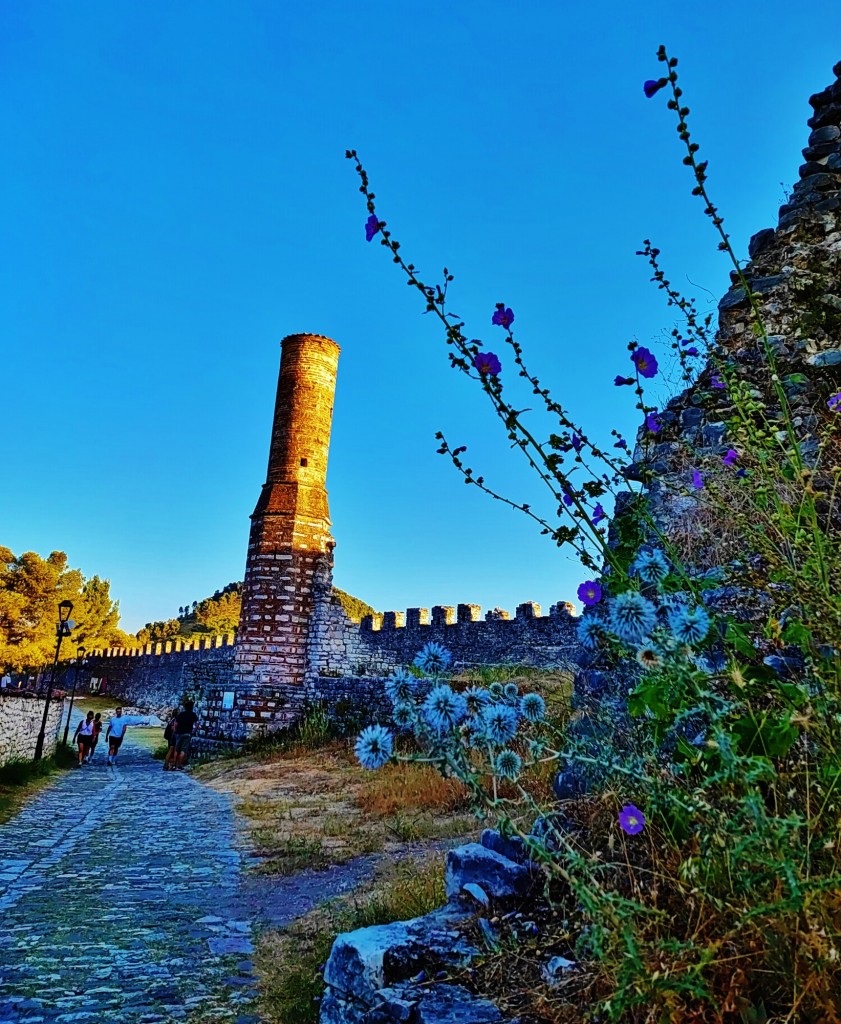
x,y
20,723
382,642
795,270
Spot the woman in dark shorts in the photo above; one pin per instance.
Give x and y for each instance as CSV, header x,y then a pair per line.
x,y
84,737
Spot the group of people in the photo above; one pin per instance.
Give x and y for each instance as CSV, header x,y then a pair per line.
x,y
89,728
178,734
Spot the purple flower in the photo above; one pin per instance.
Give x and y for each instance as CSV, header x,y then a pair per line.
x,y
619,381
644,361
631,820
372,226
590,593
834,402
503,316
567,498
741,473
653,422
697,479
730,457
575,441
598,515
717,382
652,86
691,351
621,443
487,363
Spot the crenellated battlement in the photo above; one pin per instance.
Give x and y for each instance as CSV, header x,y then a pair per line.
x,y
461,614
384,640
205,643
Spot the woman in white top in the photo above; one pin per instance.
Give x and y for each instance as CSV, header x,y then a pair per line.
x,y
84,737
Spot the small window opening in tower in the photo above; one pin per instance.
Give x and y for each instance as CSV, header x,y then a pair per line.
x,y
303,462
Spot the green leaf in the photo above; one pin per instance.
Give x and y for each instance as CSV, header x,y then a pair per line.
x,y
738,636
764,734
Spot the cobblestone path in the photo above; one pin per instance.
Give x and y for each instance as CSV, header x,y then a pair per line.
x,y
119,900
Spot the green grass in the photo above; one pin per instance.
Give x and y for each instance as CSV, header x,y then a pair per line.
x,y
21,778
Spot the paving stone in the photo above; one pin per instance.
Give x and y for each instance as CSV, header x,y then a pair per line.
x,y
115,908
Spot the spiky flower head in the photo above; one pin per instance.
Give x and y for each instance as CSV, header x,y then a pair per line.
x,y
649,657
476,699
495,690
689,625
374,747
443,708
651,566
511,693
401,686
508,764
632,616
404,716
433,659
591,631
499,722
537,748
533,707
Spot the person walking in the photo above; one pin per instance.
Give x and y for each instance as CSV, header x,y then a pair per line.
x,y
83,736
97,729
170,734
184,723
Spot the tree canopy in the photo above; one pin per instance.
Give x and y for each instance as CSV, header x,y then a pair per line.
x,y
31,588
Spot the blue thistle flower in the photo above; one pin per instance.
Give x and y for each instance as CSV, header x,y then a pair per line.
x,y
508,764
433,659
476,699
499,722
443,709
591,631
533,707
374,747
537,748
632,616
401,686
689,625
495,690
404,716
510,693
651,566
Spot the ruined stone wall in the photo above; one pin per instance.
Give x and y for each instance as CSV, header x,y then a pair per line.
x,y
158,675
20,723
381,642
795,271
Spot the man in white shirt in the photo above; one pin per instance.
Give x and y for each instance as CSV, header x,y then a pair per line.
x,y
117,726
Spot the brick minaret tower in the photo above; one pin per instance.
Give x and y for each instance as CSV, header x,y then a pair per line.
x,y
290,549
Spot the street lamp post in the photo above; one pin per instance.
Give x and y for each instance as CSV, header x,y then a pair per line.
x,y
62,630
80,657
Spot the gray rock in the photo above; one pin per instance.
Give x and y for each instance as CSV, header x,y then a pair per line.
x,y
691,417
365,961
832,357
829,133
501,878
511,848
713,434
761,242
439,1004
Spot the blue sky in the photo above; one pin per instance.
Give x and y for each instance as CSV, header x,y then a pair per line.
x,y
175,200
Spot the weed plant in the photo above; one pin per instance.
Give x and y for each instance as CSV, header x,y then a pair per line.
x,y
694,850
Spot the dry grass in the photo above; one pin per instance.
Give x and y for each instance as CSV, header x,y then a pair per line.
x,y
314,808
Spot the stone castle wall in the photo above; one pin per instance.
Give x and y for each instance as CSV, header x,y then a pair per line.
x,y
20,723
